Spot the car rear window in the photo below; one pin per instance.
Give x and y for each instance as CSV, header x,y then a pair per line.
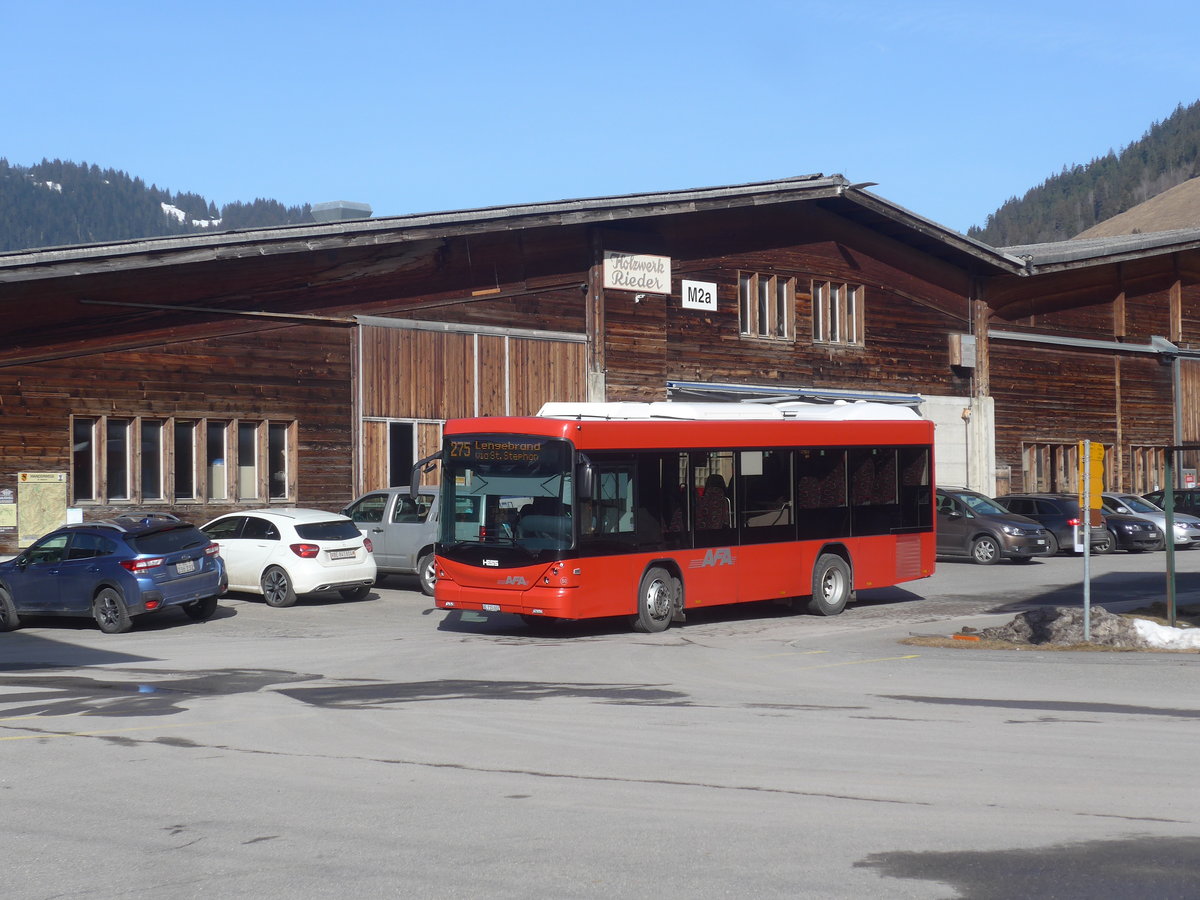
x,y
337,530
169,540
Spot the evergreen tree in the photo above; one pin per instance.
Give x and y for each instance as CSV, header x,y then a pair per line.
x,y
55,202
1080,196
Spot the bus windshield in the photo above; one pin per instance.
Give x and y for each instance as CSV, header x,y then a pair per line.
x,y
507,490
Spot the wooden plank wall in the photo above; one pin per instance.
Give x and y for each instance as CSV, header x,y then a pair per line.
x,y
298,374
414,374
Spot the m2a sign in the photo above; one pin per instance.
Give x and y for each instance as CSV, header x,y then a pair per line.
x,y
698,295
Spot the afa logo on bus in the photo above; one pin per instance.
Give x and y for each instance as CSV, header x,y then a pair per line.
x,y
719,557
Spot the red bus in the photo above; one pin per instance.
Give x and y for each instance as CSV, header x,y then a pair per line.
x,y
648,510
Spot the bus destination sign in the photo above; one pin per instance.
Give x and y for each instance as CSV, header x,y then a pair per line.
x,y
497,449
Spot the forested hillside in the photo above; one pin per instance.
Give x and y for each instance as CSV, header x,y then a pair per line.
x,y
55,203
1081,195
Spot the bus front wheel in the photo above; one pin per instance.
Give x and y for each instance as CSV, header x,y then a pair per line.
x,y
656,601
831,585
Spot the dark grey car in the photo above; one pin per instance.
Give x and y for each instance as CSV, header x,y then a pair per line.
x,y
1061,516
402,530
973,524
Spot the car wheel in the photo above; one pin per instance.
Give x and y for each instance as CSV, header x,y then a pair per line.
x,y
831,585
427,573
985,550
200,610
110,612
358,593
656,601
1106,544
1052,544
277,588
9,620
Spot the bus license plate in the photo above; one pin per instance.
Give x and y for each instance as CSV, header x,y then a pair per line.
x,y
491,607
184,566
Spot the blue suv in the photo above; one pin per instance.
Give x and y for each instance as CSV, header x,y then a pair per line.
x,y
112,570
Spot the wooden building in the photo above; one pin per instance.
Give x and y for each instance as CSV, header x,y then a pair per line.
x,y
1096,339
303,365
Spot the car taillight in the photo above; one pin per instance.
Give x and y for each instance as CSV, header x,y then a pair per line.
x,y
212,549
1074,523
141,565
306,551
368,545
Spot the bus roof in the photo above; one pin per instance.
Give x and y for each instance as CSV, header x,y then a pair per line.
x,y
840,411
765,430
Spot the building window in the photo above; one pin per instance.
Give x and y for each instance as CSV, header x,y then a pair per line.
x,y
247,461
185,460
837,313
1148,468
1054,468
216,451
119,459
151,457
83,460
277,461
766,305
117,462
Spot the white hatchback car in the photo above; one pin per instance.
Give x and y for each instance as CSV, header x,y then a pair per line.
x,y
281,553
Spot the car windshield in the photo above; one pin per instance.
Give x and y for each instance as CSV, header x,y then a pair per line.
x,y
169,540
1137,504
981,505
337,530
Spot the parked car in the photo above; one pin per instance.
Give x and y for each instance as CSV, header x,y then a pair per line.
x,y
113,570
1060,515
1129,533
1187,500
282,553
402,530
1187,528
972,524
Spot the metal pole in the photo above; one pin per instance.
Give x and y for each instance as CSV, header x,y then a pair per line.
x,y
1169,509
1086,515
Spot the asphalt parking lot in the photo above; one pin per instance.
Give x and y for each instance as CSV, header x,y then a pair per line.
x,y
385,748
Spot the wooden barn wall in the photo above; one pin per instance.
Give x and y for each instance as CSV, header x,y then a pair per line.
x,y
1059,394
375,456
1055,395
1189,383
413,374
296,373
912,303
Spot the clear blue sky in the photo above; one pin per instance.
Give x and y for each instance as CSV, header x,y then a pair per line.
x,y
952,107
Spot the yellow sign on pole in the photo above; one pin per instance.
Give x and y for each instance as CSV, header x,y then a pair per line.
x,y
1091,474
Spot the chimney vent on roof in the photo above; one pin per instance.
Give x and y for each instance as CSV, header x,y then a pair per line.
x,y
340,211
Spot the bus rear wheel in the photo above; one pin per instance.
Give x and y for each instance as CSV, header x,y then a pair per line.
x,y
831,585
656,601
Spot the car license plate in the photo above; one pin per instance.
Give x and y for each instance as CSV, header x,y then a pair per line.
x,y
184,566
491,607
1041,542
341,554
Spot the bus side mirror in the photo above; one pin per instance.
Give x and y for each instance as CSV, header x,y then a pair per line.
x,y
585,481
421,465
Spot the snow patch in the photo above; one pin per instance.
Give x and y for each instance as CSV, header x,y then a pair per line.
x,y
179,214
1166,637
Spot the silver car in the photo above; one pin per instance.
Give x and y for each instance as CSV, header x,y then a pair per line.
x,y
403,531
1187,528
